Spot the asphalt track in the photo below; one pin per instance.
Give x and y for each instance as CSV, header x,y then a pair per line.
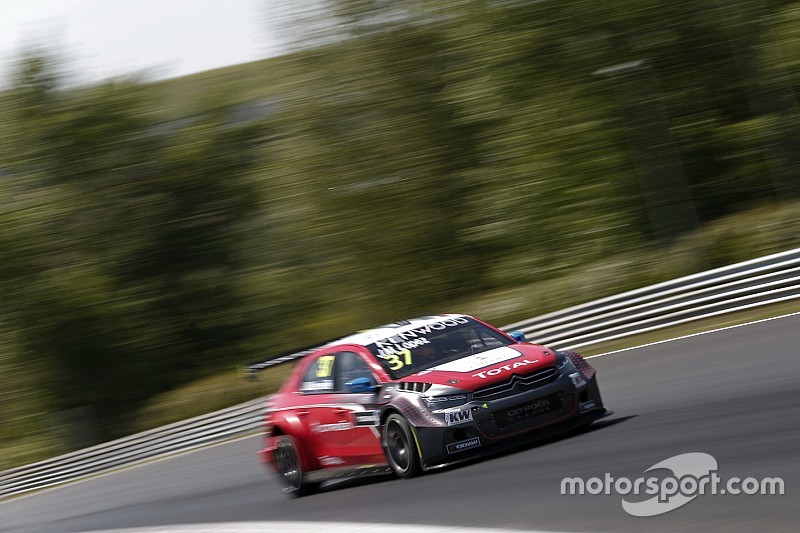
x,y
732,394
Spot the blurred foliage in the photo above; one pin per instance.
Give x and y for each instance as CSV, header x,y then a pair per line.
x,y
737,237
118,240
207,395
502,157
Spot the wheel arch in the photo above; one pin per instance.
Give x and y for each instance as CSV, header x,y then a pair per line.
x,y
392,410
418,458
388,411
284,427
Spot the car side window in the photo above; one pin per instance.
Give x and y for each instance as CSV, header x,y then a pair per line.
x,y
318,378
350,366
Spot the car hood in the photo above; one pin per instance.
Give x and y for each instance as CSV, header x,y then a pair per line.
x,y
486,368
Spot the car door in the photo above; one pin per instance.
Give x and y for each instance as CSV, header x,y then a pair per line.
x,y
316,408
359,441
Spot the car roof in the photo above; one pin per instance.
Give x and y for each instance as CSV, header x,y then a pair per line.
x,y
369,336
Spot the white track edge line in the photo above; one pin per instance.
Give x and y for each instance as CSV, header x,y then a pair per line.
x,y
694,335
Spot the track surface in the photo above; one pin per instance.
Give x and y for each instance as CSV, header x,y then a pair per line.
x,y
731,394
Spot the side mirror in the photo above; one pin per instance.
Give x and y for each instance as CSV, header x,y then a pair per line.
x,y
517,336
361,385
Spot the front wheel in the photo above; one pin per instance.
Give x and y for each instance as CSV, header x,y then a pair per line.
x,y
399,444
289,467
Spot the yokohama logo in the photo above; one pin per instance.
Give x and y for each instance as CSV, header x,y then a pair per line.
x,y
474,442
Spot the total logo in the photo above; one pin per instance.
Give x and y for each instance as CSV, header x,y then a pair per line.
x,y
504,368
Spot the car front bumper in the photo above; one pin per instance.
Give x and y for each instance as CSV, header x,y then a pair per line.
x,y
479,427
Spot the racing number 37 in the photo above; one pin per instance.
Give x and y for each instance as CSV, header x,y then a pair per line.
x,y
395,363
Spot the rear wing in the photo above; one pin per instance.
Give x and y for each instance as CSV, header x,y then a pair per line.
x,y
250,371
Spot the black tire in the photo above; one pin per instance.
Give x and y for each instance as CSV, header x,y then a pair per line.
x,y
400,447
289,467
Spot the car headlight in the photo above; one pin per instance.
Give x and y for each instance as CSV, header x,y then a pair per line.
x,y
435,403
568,368
565,365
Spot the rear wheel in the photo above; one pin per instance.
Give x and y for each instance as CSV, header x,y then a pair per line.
x,y
290,471
400,447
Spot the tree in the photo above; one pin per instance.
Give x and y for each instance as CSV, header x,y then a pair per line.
x,y
120,239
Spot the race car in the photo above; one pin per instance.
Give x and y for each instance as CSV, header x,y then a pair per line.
x,y
419,394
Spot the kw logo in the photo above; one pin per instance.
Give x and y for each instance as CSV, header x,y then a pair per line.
x,y
458,417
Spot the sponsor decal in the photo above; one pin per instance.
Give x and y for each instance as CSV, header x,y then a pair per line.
x,y
331,461
386,351
326,428
483,359
414,337
462,416
505,368
317,385
587,406
368,418
474,442
531,409
524,411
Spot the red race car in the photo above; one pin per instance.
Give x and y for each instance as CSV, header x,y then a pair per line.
x,y
418,394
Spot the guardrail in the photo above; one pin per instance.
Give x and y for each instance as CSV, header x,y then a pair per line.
x,y
766,280
160,442
761,281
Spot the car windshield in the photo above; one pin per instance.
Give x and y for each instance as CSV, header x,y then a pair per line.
x,y
416,349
